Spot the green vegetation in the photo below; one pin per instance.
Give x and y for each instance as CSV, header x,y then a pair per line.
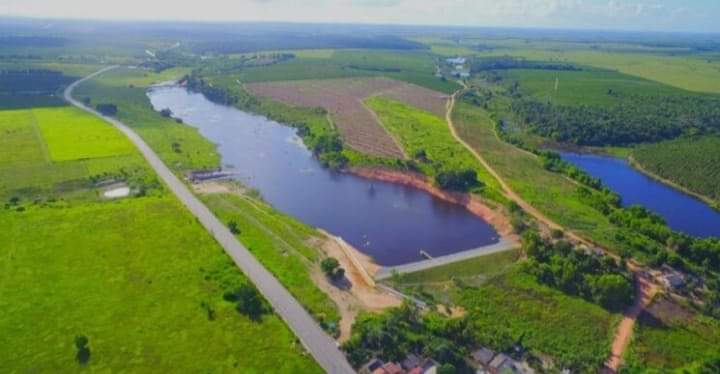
x,y
282,245
595,278
600,108
76,268
331,267
691,163
409,66
52,153
574,332
143,263
180,146
551,193
670,337
437,154
471,271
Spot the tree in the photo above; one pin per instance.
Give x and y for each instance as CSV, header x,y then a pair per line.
x,y
167,113
612,291
83,351
234,228
331,267
248,301
458,180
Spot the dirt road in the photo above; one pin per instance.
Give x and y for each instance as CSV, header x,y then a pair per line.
x,y
646,289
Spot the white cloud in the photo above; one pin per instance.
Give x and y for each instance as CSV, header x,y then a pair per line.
x,y
514,13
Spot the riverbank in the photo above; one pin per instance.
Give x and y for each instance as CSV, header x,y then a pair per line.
x,y
637,166
494,216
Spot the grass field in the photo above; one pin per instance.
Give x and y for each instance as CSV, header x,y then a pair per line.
x,y
420,130
135,278
61,152
139,277
551,193
180,146
282,244
72,135
692,163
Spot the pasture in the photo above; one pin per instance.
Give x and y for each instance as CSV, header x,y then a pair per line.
x,y
343,99
61,152
142,280
71,134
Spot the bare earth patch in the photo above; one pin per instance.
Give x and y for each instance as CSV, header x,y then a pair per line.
x,y
343,99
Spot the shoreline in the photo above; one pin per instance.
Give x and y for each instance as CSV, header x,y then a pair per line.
x,y
494,217
637,166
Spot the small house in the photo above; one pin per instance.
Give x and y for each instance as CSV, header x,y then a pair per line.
x,y
483,356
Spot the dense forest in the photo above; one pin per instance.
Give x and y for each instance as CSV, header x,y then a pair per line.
x,y
635,119
506,63
289,41
692,163
32,81
596,278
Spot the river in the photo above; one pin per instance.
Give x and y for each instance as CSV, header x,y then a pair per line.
x,y
681,211
389,222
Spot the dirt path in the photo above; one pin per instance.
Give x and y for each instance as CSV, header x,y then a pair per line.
x,y
644,294
646,288
506,188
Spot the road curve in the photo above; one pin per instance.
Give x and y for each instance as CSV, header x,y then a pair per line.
x,y
323,348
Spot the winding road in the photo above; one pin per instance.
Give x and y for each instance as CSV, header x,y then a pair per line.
x,y
323,348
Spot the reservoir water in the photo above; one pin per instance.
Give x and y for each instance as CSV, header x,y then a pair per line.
x,y
389,222
681,211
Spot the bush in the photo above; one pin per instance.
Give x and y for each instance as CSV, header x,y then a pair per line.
x,y
107,109
83,351
457,180
248,302
331,267
234,228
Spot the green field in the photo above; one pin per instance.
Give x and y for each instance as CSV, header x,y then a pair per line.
x,y
133,277
585,87
139,277
62,152
72,135
180,146
419,130
691,163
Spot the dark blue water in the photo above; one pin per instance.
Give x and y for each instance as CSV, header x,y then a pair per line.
x,y
682,212
389,222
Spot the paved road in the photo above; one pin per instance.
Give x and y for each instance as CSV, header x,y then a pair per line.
x,y
319,344
502,246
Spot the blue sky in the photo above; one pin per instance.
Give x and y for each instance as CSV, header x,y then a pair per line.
x,y
656,15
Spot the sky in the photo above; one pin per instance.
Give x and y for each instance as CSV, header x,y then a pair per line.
x,y
650,15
